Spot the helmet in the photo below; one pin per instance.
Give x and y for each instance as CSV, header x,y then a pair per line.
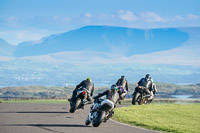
x,y
89,79
122,77
147,76
113,87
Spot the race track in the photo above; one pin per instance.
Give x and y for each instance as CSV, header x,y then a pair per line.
x,y
54,118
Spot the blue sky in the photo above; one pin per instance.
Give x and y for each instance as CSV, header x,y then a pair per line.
x,y
23,20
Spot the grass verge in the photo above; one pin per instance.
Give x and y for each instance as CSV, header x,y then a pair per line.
x,y
174,118
57,101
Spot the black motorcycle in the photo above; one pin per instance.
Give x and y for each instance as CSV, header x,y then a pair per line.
x,y
80,100
101,111
140,97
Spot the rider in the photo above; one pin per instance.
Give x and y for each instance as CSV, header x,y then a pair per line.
x,y
123,83
112,95
84,84
147,84
153,88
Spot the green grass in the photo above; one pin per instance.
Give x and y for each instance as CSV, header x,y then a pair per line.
x,y
174,118
57,101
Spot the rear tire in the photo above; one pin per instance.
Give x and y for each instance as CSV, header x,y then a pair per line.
x,y
150,101
99,119
75,105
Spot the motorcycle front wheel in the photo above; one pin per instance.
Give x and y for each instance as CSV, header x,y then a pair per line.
x,y
98,120
136,99
87,121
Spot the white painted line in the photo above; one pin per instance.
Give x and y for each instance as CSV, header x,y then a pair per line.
x,y
135,126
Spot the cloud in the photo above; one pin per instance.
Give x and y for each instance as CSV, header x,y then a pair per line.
x,y
88,15
192,16
178,18
151,17
148,17
17,36
127,15
188,17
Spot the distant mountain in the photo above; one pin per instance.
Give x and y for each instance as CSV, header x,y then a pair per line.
x,y
105,53
6,49
117,40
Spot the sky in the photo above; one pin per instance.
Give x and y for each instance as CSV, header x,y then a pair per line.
x,y
28,20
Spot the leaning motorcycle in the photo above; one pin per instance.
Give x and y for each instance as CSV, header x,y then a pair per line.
x,y
101,111
140,97
80,100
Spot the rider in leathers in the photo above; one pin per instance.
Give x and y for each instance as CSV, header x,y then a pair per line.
x,y
87,84
122,82
112,95
147,83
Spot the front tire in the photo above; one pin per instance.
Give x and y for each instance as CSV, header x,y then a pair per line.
x,y
135,98
99,119
87,121
75,105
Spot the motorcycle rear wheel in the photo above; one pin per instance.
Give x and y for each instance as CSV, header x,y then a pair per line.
x,y
75,105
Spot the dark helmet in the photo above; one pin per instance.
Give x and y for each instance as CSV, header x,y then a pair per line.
x,y
122,77
147,76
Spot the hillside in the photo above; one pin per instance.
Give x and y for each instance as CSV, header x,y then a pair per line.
x,y
164,91
126,41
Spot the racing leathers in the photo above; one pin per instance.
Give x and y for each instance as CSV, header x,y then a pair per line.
x,y
146,83
87,84
122,83
112,96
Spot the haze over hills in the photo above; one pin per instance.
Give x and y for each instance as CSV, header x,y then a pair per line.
x,y
6,49
104,53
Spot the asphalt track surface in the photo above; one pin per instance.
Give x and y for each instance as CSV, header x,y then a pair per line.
x,y
54,118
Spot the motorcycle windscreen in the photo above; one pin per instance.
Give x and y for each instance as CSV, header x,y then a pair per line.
x,y
107,105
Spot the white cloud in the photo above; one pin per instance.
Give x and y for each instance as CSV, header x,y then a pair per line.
x,y
192,16
189,17
151,17
17,36
148,17
178,18
127,15
88,15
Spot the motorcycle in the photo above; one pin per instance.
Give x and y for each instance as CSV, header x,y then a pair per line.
x,y
101,111
140,97
81,100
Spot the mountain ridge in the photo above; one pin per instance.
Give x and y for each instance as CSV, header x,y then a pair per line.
x,y
129,41
6,49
